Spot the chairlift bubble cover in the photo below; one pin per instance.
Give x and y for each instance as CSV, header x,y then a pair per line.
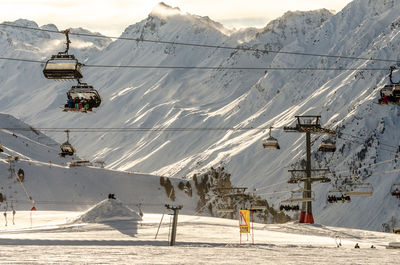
x,y
62,67
84,91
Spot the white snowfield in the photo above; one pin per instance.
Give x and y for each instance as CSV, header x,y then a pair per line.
x,y
56,237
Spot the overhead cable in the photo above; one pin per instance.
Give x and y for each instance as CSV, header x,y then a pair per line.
x,y
268,68
204,45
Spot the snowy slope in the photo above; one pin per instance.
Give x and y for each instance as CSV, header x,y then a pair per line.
x,y
198,98
52,184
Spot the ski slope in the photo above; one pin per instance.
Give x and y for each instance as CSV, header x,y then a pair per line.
x,y
58,237
53,184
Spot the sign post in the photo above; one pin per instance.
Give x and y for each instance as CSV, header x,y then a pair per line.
x,y
244,222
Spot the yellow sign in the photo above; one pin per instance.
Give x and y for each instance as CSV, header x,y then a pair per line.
x,y
244,221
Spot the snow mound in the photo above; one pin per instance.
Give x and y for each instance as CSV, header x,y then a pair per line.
x,y
108,210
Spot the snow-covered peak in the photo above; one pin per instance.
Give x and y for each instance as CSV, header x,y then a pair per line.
x,y
24,23
49,27
294,22
163,10
167,18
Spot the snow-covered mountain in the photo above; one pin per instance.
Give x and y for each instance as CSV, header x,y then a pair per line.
x,y
50,182
183,98
34,175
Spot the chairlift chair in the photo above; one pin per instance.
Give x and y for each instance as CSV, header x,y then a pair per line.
x,y
396,92
271,142
395,190
287,205
359,189
63,65
298,196
301,199
66,148
83,91
386,90
327,145
337,194
390,92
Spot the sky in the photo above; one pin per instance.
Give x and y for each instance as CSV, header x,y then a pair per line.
x,y
111,17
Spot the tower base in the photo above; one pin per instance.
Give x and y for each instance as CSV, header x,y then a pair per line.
x,y
302,217
309,219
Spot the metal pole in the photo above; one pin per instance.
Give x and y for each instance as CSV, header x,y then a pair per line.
x,y
252,224
174,223
307,184
159,226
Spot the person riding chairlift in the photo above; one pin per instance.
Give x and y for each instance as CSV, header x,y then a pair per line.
x,y
396,193
383,100
70,103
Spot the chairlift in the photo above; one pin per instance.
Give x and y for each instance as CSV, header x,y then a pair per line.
x,y
395,190
327,145
257,205
390,92
271,142
20,175
66,148
287,206
337,195
86,98
298,196
359,188
63,65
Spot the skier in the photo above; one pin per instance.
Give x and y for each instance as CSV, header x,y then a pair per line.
x,y
356,246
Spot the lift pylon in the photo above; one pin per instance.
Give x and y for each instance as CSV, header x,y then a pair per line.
x,y
308,124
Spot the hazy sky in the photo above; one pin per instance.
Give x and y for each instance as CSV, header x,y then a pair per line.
x,y
111,17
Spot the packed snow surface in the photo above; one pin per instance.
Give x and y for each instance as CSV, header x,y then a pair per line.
x,y
52,238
